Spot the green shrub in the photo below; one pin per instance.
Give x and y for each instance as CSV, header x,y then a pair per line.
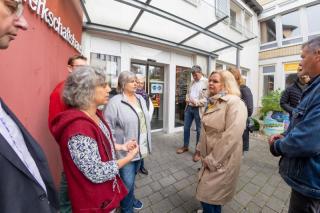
x,y
271,102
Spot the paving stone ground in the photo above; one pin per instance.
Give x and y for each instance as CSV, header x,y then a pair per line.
x,y
171,183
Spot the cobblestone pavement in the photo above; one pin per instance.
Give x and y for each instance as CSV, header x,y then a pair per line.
x,y
171,183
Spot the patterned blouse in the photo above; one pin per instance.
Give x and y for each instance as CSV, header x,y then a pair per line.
x,y
85,154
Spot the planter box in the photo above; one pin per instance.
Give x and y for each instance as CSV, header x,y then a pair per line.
x,y
275,123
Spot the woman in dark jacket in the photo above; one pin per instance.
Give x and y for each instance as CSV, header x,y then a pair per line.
x,y
247,97
87,147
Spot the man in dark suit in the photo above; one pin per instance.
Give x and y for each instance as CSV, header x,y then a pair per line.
x,y
26,185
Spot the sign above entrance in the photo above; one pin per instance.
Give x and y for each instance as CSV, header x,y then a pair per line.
x,y
39,6
292,67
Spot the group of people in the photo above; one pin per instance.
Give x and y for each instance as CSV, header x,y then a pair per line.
x,y
102,150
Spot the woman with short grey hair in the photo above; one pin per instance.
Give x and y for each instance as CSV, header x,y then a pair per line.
x,y
128,117
86,144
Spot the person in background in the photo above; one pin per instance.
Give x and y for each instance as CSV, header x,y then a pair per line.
x,y
247,97
195,99
291,96
56,105
299,146
223,122
128,116
141,91
86,144
26,184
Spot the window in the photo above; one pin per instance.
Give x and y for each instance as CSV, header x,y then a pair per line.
x,y
248,23
291,25
183,80
313,14
109,64
222,8
235,14
290,78
233,18
219,66
268,31
268,79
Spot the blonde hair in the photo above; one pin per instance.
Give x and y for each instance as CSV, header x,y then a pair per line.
x,y
228,81
237,75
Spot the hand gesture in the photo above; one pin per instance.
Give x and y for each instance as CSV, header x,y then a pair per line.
x,y
129,145
133,152
273,138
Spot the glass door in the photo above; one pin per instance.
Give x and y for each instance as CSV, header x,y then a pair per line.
x,y
154,75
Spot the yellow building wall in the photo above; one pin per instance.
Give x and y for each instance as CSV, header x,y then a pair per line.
x,y
280,52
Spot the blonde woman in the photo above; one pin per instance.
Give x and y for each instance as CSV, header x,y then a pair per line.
x,y
223,121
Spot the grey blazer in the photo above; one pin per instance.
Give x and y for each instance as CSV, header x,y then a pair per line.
x,y
19,191
124,121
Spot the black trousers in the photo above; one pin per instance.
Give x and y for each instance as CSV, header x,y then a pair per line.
x,y
245,139
302,204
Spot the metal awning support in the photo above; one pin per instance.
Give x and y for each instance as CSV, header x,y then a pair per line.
x,y
207,28
166,15
138,17
103,28
85,11
238,59
226,47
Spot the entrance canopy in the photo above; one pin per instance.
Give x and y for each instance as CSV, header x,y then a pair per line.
x,y
161,22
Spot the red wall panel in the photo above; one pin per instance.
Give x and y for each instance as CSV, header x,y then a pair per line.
x,y
31,67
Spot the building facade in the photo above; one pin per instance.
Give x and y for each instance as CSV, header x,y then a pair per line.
x,y
163,41
284,26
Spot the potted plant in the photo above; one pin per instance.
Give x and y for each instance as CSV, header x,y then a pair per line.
x,y
273,115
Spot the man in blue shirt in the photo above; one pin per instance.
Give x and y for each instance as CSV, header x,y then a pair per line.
x,y
26,184
299,147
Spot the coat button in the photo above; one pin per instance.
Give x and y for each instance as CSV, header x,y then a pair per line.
x,y
42,197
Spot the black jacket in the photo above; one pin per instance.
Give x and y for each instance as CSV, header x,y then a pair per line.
x,y
19,191
246,96
291,97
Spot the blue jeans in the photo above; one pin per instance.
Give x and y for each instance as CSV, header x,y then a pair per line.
x,y
190,114
128,175
210,208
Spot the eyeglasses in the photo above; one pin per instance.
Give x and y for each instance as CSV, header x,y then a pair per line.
x,y
15,6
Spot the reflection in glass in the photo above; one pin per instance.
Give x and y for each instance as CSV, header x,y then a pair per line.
x,y
291,25
268,84
183,79
313,13
109,64
268,31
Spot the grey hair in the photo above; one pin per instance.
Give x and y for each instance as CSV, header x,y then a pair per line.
x,y
313,45
124,78
80,86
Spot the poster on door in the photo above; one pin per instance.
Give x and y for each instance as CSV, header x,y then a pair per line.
x,y
155,98
157,88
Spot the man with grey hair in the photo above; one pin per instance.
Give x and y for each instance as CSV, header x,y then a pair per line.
x,y
299,147
26,184
194,100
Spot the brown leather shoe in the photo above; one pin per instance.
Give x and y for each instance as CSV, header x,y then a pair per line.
x,y
196,156
182,150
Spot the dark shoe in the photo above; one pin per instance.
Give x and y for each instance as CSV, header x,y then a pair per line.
x,y
196,156
144,171
182,150
137,204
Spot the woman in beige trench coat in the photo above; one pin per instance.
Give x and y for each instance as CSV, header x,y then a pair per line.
x,y
223,122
